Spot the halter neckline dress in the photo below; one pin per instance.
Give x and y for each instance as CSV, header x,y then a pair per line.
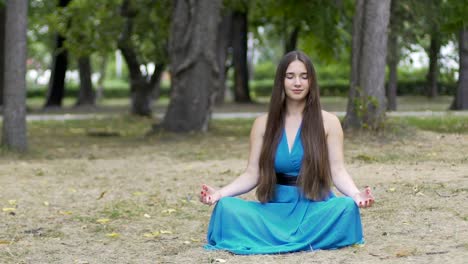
x,y
288,223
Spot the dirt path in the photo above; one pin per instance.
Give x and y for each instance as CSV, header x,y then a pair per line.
x,y
136,203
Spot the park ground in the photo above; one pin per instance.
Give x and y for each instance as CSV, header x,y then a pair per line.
x,y
104,190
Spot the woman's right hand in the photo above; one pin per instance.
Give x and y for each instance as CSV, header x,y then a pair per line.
x,y
209,195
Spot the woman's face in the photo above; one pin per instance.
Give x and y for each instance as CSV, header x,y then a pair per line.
x,y
296,81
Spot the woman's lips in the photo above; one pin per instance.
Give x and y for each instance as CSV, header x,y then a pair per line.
x,y
297,91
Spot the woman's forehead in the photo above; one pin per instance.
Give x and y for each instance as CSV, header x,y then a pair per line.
x,y
296,66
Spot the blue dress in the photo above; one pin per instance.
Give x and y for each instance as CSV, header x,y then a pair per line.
x,y
288,223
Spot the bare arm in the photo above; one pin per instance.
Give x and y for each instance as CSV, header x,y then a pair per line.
x,y
341,178
247,180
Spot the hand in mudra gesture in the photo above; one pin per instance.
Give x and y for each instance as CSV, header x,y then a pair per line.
x,y
209,195
364,199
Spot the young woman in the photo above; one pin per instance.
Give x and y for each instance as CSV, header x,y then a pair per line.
x,y
296,151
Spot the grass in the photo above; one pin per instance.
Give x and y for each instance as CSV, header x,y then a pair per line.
x,y
146,186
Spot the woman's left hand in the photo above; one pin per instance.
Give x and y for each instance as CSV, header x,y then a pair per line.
x,y
364,199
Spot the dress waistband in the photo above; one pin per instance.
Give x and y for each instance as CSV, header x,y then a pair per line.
x,y
284,179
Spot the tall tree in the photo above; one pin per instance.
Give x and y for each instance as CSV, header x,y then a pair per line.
x,y
86,95
457,22
393,58
367,103
434,52
239,57
2,48
194,68
56,89
14,111
460,101
224,42
143,86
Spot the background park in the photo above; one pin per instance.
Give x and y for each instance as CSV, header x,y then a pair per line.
x,y
115,112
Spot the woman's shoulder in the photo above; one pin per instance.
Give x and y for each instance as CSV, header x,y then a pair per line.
x,y
259,124
330,122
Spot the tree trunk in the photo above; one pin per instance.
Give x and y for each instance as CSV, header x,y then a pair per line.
x,y
14,112
351,119
392,59
2,49
194,66
433,73
239,45
56,90
86,96
142,90
291,41
368,101
102,77
224,41
460,101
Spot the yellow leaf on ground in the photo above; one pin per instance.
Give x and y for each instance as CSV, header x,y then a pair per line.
x,y
8,209
113,235
46,203
194,239
186,242
12,202
5,242
103,220
72,190
65,212
147,215
168,211
152,234
165,231
138,193
391,189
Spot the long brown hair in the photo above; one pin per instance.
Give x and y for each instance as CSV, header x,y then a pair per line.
x,y
315,175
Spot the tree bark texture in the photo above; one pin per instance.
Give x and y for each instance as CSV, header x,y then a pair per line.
x,y
392,59
367,91
56,89
143,88
433,73
86,96
224,41
14,111
461,97
2,50
351,118
239,45
291,40
194,66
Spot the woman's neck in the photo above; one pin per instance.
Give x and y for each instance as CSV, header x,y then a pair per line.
x,y
295,108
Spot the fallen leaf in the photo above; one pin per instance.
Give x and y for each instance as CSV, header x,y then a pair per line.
x,y
12,202
9,209
186,242
46,203
138,193
147,215
103,220
168,211
165,231
391,189
194,239
65,212
113,235
72,190
101,195
152,234
5,242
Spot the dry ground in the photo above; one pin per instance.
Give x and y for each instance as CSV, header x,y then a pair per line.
x,y
78,198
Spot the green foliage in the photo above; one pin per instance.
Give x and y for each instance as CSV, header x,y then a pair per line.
x,y
455,12
442,124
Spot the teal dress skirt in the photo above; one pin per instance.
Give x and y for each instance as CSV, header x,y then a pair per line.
x,y
288,223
